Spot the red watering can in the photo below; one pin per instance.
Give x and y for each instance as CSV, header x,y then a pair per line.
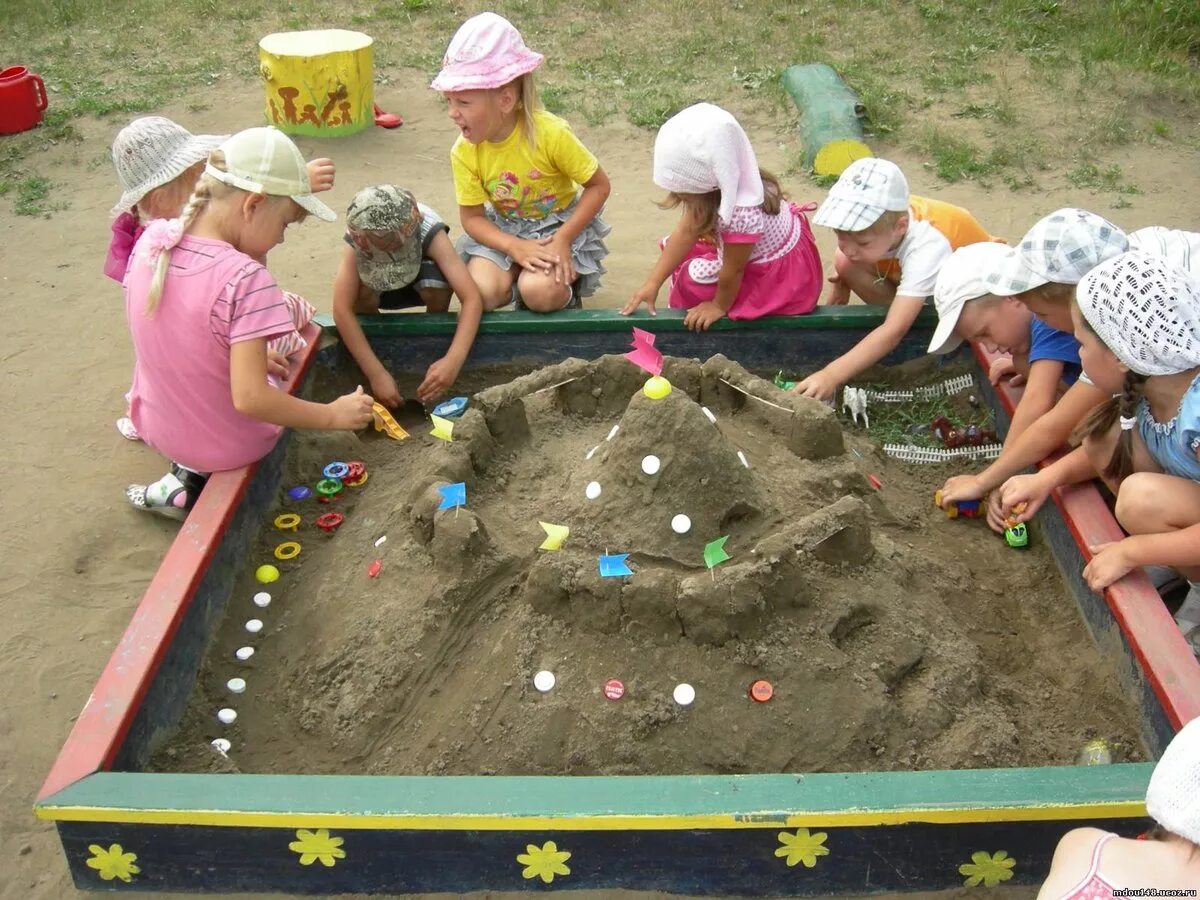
x,y
22,100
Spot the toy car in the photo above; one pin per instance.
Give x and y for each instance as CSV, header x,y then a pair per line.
x,y
968,509
1017,535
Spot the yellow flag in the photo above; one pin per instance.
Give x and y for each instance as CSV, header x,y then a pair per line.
x,y
555,535
442,428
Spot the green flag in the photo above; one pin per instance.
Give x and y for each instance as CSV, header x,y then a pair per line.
x,y
714,552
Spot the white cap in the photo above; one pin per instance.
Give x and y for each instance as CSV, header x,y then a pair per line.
x,y
651,464
544,680
865,191
592,491
265,161
243,653
227,716
961,280
262,598
684,694
1173,797
236,685
254,626
681,524
1061,248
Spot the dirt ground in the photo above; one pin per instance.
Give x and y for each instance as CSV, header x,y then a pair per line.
x,y
78,559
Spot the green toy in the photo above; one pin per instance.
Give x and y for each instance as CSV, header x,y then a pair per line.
x,y
781,384
1017,536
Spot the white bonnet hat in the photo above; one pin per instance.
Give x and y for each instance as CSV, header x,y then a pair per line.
x,y
152,151
702,149
1145,311
1173,797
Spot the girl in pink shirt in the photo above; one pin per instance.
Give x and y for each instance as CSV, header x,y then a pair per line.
x,y
201,309
741,249
1090,864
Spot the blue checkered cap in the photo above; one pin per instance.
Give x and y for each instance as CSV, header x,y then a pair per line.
x,y
867,189
1061,248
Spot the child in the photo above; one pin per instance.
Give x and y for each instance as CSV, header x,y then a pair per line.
x,y
741,248
201,308
1041,272
1138,325
158,164
890,248
398,256
1047,358
1090,864
529,236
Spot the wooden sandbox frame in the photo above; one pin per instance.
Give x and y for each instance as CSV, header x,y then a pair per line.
x,y
769,835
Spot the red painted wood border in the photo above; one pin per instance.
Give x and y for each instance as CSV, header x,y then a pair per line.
x,y
117,695
1165,658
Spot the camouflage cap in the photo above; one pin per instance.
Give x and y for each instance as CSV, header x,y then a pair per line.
x,y
383,224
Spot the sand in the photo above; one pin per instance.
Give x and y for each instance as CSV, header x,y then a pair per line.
x,y
78,559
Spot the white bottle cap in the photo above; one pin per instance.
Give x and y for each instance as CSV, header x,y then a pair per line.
x,y
254,626
262,599
592,491
681,524
544,681
243,653
684,694
651,464
222,746
227,716
236,685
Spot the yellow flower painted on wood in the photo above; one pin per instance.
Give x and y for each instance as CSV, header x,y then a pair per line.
x,y
803,846
988,869
314,845
113,862
544,862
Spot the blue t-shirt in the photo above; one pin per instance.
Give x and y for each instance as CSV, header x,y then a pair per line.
x,y
1050,343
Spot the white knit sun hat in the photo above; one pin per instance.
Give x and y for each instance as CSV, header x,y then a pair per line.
x,y
1145,311
265,161
152,151
1173,797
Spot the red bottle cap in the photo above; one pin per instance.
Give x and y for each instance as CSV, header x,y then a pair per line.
x,y
761,691
374,568
614,689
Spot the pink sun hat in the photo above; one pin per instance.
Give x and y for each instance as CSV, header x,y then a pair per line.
x,y
486,52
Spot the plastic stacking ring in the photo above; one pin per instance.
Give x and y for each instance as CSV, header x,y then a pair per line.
x,y
355,469
287,550
328,522
287,522
299,492
336,470
359,481
329,487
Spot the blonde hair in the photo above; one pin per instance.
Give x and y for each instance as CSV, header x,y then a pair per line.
x,y
1050,292
702,208
165,201
527,106
206,188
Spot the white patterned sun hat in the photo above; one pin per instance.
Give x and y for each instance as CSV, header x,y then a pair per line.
x,y
865,191
1146,312
1173,796
152,151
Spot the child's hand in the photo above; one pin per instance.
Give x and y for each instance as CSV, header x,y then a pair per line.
x,y
996,518
818,386
351,412
438,378
839,294
535,256
1002,367
564,271
320,175
1109,563
1022,489
647,294
383,388
699,317
961,487
277,364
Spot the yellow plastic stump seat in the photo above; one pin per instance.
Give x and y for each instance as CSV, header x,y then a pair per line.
x,y
318,83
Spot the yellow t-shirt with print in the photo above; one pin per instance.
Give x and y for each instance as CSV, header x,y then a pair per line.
x,y
519,181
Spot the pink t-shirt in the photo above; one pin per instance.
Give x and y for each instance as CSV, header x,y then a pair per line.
x,y
181,403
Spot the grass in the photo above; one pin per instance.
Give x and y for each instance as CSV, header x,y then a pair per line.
x,y
926,71
1092,177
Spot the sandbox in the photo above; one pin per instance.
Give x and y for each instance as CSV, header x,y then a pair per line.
x,y
769,834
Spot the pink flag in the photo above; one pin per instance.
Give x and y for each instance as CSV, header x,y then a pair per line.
x,y
643,355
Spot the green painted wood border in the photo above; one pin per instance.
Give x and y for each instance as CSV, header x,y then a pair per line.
x,y
601,320
739,801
